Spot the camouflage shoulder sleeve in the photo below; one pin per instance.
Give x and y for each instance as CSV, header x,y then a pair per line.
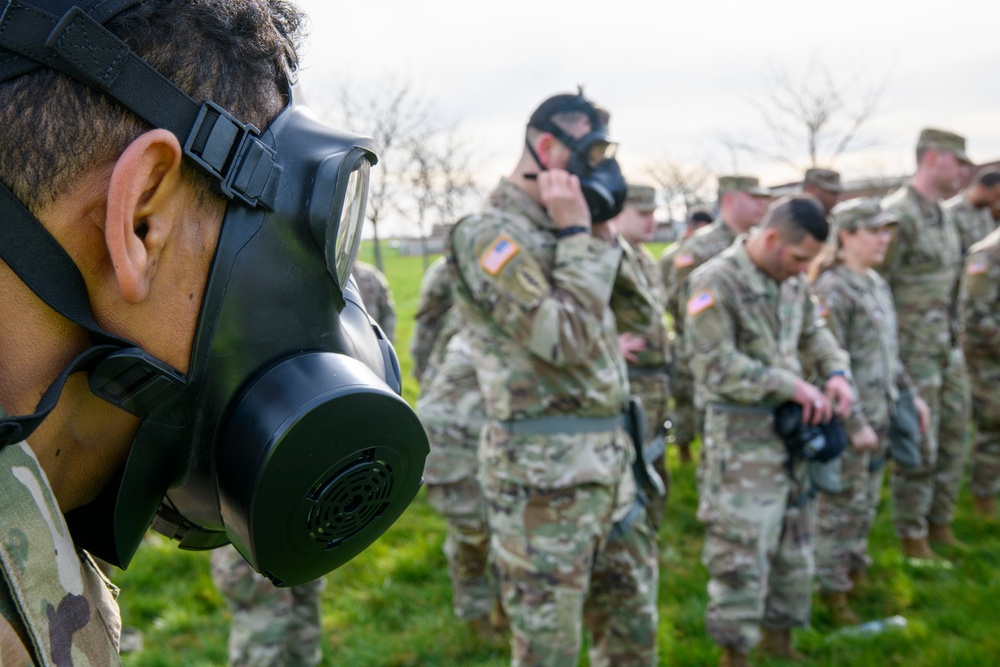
x,y
56,593
386,309
817,345
435,300
901,238
557,314
834,306
980,301
711,317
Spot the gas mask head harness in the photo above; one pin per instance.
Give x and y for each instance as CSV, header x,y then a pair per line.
x,y
593,155
287,436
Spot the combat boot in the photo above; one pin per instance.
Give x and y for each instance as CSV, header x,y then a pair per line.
x,y
498,619
918,548
985,507
684,451
838,608
859,578
942,535
732,658
778,644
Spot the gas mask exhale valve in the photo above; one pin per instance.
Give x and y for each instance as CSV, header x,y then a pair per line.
x,y
287,436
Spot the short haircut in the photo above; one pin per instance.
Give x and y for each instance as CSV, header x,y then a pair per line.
x,y
699,217
988,178
795,217
239,54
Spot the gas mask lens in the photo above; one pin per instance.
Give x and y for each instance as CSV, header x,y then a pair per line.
x,y
601,151
337,209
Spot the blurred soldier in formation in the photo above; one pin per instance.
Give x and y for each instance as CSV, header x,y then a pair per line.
x,y
375,293
452,411
742,202
857,305
646,354
544,287
970,210
922,267
980,310
824,185
753,333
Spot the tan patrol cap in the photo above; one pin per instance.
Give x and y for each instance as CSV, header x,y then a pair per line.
x,y
861,212
827,179
748,184
943,140
641,197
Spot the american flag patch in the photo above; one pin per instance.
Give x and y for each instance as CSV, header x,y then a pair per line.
x,y
700,302
498,254
976,268
823,311
683,261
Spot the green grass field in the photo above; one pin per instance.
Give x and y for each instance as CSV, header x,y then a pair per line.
x,y
390,606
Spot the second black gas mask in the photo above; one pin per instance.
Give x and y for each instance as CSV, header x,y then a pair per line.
x,y
593,155
287,436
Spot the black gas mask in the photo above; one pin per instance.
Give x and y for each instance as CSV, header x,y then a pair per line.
x,y
593,155
811,442
287,437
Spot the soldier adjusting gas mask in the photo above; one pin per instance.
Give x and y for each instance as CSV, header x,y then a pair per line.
x,y
593,155
287,437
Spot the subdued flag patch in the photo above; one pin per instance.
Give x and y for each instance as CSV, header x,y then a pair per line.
x,y
683,261
700,301
498,254
823,311
976,268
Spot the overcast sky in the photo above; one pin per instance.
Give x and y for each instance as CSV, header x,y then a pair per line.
x,y
670,71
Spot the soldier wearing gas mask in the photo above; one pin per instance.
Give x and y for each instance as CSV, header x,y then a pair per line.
x,y
182,345
544,285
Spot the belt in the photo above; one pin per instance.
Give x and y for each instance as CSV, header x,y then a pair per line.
x,y
737,409
648,371
561,424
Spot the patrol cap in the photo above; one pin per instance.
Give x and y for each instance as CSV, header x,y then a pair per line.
x,y
861,212
827,179
749,184
641,197
942,140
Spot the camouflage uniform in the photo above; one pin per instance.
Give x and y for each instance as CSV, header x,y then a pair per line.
x,y
973,224
51,593
922,266
452,411
748,338
980,308
375,294
271,627
649,381
677,265
553,463
858,310
435,300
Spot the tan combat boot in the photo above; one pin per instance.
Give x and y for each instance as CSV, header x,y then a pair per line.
x,y
778,644
840,611
732,658
918,548
985,507
942,535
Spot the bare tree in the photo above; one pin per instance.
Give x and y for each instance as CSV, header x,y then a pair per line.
x,y
683,186
811,119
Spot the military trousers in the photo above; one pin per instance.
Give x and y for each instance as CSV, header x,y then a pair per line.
x,y
466,546
654,391
560,569
845,519
271,626
929,493
685,418
985,381
759,530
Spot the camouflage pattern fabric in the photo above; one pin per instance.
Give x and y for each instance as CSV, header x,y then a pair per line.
x,y
677,265
452,411
980,311
648,380
375,294
973,224
51,593
271,626
435,301
543,315
922,266
750,340
859,311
